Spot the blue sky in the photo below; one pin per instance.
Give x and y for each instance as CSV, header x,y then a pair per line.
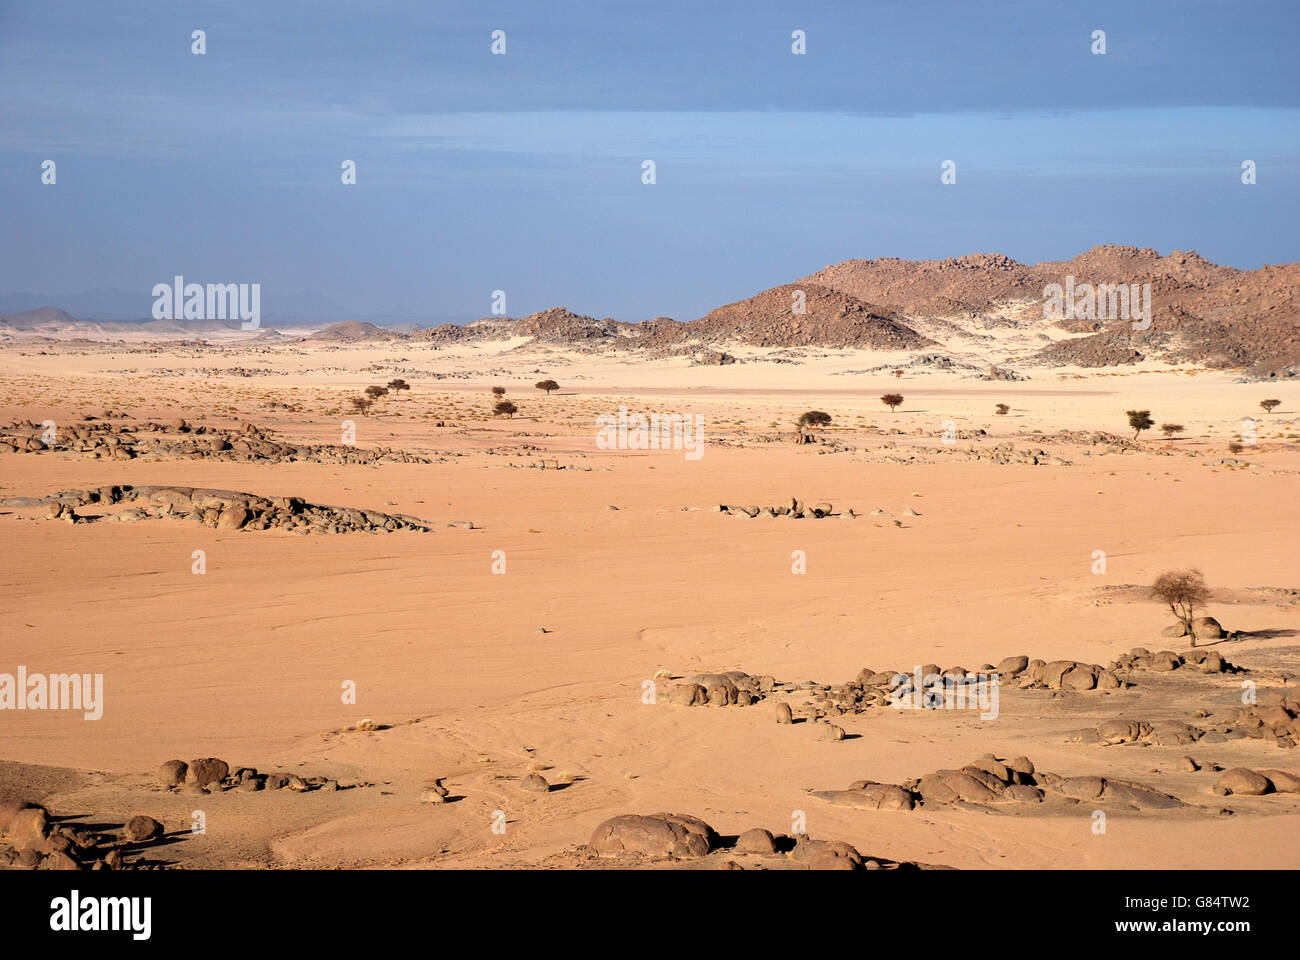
x,y
523,172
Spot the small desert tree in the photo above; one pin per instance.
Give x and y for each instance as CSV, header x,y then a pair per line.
x,y
1169,429
892,400
498,392
1003,409
1184,591
814,418
1140,420
398,385
361,404
1268,405
505,407
898,374
375,392
547,385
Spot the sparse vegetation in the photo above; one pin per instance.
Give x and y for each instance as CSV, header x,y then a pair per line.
x,y
547,385
898,374
1268,405
375,392
892,400
505,408
1184,591
1003,409
498,392
1140,420
361,405
1169,429
398,385
1235,447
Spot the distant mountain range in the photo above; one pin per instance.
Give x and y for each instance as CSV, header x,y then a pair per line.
x,y
983,305
307,308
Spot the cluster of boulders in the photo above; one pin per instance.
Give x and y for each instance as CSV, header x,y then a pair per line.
x,y
29,840
1007,453
1140,658
799,510
1275,717
210,775
929,686
795,508
1242,781
1162,733
245,443
219,509
993,780
1067,675
721,689
676,836
1202,628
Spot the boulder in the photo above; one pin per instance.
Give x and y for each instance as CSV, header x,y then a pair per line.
x,y
832,732
659,835
1012,666
1207,628
140,828
757,841
534,783
1283,781
233,518
870,796
207,771
827,854
172,773
9,809
688,695
718,688
29,828
1246,782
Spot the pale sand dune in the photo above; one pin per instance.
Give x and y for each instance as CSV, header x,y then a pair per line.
x,y
246,662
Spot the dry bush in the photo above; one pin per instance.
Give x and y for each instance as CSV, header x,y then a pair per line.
x,y
1184,591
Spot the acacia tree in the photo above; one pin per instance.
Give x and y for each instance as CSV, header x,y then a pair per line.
x,y
505,407
498,392
898,374
892,400
1140,420
1169,429
1184,591
813,418
1268,405
396,386
361,405
1003,409
375,392
547,385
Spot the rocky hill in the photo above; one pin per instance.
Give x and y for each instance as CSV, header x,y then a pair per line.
x,y
983,307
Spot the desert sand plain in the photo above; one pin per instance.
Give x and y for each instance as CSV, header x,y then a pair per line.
x,y
246,661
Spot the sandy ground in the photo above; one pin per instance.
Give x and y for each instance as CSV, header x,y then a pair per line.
x,y
247,661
